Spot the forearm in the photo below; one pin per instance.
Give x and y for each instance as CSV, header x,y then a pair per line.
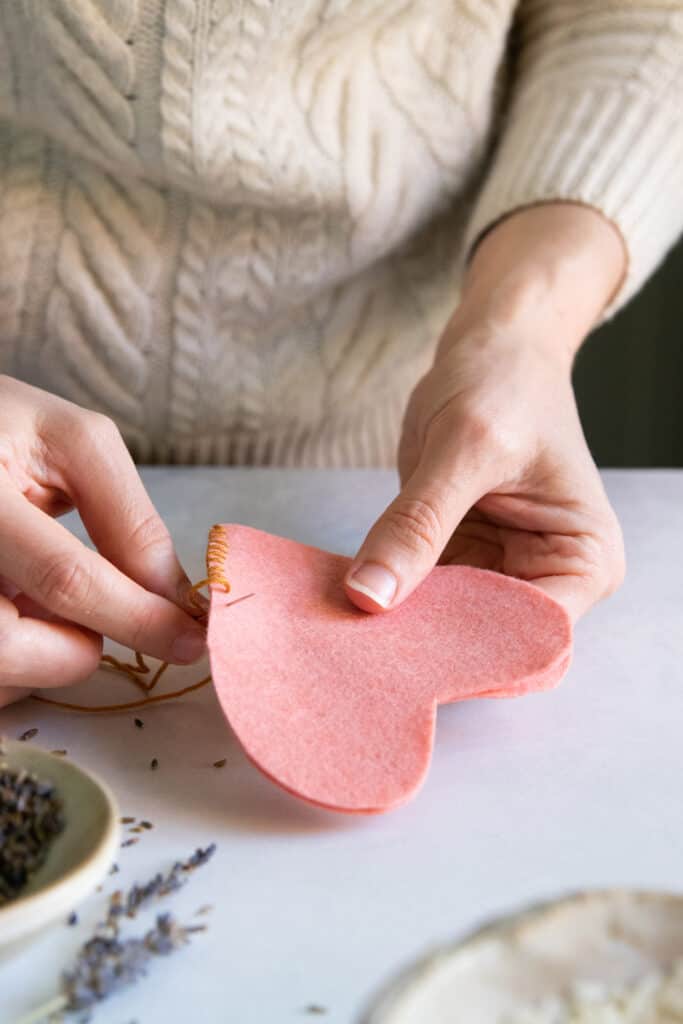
x,y
548,271
593,117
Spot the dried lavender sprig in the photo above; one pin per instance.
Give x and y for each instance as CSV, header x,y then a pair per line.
x,y
160,885
104,966
106,963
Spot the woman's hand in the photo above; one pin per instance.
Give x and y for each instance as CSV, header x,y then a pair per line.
x,y
58,597
494,467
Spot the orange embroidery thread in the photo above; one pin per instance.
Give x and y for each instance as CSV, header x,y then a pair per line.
x,y
125,707
132,671
216,553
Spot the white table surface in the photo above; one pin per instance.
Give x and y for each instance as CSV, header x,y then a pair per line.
x,y
576,788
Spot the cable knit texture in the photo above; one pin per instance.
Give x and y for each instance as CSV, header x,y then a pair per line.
x,y
237,226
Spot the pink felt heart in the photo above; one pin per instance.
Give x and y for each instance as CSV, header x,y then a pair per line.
x,y
338,706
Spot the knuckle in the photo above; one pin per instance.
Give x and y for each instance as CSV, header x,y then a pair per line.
x,y
94,429
485,431
415,524
477,424
101,427
482,431
150,534
64,584
143,626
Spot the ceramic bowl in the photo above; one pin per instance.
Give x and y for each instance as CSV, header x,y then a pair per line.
x,y
610,937
78,859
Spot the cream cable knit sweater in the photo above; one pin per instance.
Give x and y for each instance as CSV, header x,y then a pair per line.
x,y
236,226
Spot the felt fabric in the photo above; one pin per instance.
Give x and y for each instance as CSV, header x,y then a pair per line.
x,y
338,706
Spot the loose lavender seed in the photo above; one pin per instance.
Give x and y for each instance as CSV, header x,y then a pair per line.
x,y
140,724
219,764
128,842
146,824
315,1009
29,734
114,869
72,918
58,753
154,763
126,820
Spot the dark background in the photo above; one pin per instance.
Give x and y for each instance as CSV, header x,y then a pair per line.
x,y
629,377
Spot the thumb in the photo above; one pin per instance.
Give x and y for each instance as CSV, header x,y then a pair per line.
x,y
406,542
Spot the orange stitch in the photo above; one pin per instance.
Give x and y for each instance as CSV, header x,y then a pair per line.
x,y
216,553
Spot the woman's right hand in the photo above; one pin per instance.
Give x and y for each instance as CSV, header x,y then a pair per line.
x,y
58,598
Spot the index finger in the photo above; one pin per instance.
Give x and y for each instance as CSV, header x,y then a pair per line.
x,y
103,483
55,569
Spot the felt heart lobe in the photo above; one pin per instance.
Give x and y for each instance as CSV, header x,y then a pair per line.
x,y
338,706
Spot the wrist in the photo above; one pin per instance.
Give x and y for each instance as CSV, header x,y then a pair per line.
x,y
546,273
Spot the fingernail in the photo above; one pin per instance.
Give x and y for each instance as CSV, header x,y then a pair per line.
x,y
188,647
375,582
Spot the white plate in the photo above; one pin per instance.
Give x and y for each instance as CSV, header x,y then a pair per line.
x,y
79,858
613,937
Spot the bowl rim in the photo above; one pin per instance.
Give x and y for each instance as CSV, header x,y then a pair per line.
x,y
387,996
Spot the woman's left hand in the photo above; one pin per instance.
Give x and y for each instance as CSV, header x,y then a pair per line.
x,y
495,470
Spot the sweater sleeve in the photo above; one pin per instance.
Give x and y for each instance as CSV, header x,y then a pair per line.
x,y
595,116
